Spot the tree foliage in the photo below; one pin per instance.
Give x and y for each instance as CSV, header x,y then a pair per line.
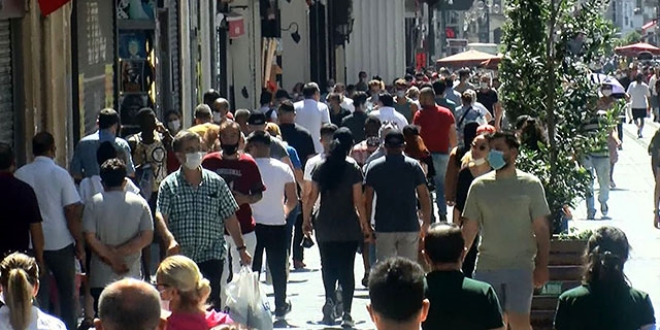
x,y
545,74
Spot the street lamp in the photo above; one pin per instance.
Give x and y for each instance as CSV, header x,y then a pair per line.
x,y
294,35
343,32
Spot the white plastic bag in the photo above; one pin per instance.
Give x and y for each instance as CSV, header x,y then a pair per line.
x,y
247,302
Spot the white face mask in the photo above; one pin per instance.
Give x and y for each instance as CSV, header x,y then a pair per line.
x,y
194,160
606,92
174,125
165,305
217,117
400,93
484,85
479,161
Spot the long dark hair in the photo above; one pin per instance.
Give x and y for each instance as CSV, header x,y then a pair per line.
x,y
332,169
607,252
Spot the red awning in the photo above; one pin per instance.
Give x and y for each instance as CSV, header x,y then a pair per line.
x,y
49,6
649,25
635,49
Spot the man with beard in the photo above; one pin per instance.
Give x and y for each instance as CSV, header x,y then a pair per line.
x,y
509,208
242,175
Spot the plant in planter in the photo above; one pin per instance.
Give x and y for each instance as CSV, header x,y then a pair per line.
x,y
545,74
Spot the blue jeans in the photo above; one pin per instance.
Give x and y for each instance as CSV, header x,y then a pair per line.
x,y
440,162
600,166
290,222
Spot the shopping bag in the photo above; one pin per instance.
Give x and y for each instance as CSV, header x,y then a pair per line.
x,y
247,302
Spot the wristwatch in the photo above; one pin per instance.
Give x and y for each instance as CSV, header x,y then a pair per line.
x,y
241,248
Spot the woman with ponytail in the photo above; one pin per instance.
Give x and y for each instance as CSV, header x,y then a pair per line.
x,y
19,279
605,301
184,292
340,223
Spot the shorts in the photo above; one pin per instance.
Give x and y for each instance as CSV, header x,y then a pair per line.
x,y
638,114
514,288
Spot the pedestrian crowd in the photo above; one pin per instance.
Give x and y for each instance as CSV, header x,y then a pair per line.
x,y
418,182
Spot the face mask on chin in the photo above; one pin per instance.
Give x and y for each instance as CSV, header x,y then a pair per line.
x,y
217,117
400,93
606,92
193,160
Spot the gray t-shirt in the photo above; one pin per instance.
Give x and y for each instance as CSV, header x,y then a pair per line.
x,y
277,149
336,219
116,217
395,179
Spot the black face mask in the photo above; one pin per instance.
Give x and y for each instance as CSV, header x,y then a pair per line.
x,y
229,149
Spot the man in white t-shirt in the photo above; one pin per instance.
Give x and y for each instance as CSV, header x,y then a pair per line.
x,y
312,114
639,100
61,212
270,213
386,112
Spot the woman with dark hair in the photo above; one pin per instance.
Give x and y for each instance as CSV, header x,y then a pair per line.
x,y
605,300
340,223
532,135
455,161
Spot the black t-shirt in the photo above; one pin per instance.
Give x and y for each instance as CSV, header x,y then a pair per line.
x,y
336,118
625,82
584,308
300,139
336,219
355,122
488,99
463,183
19,209
460,303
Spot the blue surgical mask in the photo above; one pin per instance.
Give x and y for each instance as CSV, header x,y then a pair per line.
x,y
496,159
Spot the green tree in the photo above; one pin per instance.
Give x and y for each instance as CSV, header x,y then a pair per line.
x,y
545,74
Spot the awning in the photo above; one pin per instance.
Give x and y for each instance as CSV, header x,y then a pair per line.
x,y
635,49
470,58
49,6
649,25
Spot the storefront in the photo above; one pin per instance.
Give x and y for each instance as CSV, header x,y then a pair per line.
x,y
10,14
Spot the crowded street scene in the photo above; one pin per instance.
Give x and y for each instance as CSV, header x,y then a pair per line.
x,y
329,164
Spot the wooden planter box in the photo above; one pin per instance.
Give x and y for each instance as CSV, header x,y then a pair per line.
x,y
566,271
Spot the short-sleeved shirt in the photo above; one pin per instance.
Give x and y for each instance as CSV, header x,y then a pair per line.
x,y
446,103
361,152
153,154
337,118
434,123
241,175
38,320
460,303
93,185
355,123
270,209
55,189
488,98
115,217
277,149
395,179
389,115
300,139
505,209
84,161
336,219
584,308
293,155
197,214
311,115
639,93
19,209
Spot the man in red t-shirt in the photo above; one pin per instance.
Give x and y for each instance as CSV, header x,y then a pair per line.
x,y
242,175
437,127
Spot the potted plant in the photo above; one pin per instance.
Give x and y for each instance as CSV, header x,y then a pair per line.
x,y
545,74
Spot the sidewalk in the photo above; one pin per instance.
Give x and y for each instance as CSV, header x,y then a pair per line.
x,y
631,209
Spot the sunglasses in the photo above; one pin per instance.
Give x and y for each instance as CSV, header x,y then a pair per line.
x,y
481,147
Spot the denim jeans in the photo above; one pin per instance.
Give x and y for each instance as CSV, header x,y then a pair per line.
x,y
600,166
61,263
440,162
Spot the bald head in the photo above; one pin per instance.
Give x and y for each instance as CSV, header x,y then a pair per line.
x,y
221,105
129,304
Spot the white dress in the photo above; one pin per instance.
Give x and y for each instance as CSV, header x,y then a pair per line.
x,y
38,321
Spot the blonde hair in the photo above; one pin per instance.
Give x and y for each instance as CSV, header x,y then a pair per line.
x,y
273,129
182,274
377,83
18,276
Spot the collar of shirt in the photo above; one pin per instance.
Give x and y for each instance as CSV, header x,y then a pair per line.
x,y
105,134
44,159
182,179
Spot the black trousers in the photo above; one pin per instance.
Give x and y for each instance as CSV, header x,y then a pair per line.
x,y
272,239
298,250
212,271
338,265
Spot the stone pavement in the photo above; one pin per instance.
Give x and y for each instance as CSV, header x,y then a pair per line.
x,y
631,209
